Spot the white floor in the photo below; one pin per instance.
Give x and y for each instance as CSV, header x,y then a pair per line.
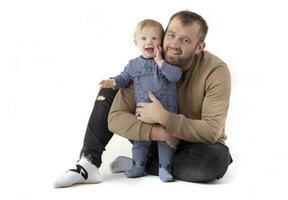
x,y
248,177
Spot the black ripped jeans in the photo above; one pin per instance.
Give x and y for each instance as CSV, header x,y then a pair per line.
x,y
193,162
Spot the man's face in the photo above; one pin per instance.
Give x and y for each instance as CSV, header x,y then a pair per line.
x,y
181,43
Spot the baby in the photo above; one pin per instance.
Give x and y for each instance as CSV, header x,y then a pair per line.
x,y
150,73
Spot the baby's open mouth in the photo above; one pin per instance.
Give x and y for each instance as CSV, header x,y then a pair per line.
x,y
150,50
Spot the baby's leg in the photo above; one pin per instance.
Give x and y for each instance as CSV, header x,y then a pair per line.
x,y
166,155
139,153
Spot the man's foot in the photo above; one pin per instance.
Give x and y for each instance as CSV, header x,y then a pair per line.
x,y
165,175
84,172
135,171
121,164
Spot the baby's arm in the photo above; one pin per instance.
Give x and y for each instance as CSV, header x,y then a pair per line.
x,y
120,81
158,56
171,72
108,83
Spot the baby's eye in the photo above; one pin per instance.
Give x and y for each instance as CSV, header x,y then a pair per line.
x,y
154,38
143,38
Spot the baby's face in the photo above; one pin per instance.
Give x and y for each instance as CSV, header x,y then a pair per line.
x,y
147,40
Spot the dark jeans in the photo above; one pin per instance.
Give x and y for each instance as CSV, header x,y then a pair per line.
x,y
193,162
97,134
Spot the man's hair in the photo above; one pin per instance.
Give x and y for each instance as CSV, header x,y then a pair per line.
x,y
148,23
187,18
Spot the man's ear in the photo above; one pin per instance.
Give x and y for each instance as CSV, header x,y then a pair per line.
x,y
200,47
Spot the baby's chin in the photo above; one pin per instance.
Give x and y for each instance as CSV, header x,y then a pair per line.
x,y
148,54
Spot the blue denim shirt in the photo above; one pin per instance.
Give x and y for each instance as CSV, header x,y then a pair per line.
x,y
147,76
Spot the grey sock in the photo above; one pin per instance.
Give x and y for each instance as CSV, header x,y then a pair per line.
x,y
121,164
135,171
165,175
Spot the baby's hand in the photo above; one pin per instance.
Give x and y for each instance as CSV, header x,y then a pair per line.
x,y
109,83
158,55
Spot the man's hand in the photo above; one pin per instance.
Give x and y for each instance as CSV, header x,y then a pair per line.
x,y
172,141
158,134
109,83
152,112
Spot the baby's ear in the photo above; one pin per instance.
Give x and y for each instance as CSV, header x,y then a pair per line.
x,y
135,42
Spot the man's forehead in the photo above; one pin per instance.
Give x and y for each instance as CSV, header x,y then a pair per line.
x,y
176,26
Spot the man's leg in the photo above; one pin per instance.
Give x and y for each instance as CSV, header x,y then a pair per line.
x,y
194,162
96,138
97,133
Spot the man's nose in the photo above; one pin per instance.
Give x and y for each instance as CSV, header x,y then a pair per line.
x,y
175,43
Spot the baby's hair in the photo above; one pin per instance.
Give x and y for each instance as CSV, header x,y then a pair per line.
x,y
148,23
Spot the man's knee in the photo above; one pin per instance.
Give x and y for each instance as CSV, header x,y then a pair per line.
x,y
201,165
106,95
193,172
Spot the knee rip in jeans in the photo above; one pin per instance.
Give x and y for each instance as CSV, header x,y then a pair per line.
x,y
100,98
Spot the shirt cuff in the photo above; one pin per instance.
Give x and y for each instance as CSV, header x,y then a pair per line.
x,y
145,131
173,124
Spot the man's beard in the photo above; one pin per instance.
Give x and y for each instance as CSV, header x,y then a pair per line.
x,y
182,62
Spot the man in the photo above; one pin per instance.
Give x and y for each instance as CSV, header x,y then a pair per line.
x,y
203,100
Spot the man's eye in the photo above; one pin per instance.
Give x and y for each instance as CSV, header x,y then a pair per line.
x,y
187,41
183,40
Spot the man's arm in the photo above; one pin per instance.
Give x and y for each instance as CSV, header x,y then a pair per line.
x,y
210,128
122,120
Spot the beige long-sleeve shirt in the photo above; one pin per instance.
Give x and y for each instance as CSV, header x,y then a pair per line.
x,y
203,101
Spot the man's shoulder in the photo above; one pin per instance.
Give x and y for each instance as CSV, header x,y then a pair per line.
x,y
213,67
208,63
210,60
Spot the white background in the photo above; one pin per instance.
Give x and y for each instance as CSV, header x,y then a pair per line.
x,y
53,54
